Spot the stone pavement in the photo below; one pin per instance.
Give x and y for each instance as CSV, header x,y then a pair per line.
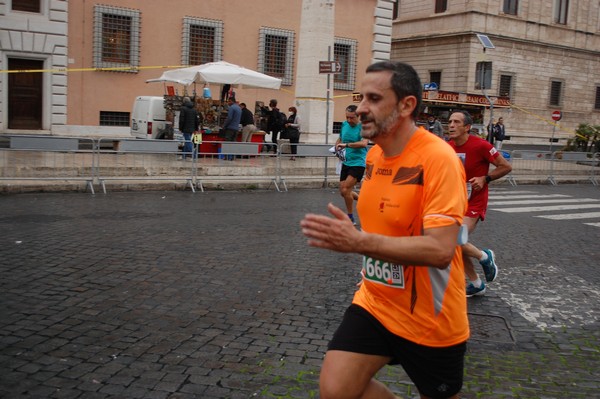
x,y
216,295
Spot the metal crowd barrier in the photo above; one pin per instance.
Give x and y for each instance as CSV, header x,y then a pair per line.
x,y
527,163
595,169
135,160
312,162
571,163
509,157
47,158
552,165
223,166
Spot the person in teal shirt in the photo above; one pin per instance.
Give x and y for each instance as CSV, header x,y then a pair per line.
x,y
353,167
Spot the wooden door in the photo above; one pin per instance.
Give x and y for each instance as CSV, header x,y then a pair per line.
x,y
25,95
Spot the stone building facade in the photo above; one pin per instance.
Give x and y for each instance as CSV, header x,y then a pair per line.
x,y
546,57
33,36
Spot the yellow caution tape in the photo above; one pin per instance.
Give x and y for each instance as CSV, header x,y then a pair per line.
x,y
548,121
59,70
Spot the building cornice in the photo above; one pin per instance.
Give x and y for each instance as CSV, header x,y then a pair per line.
x,y
496,36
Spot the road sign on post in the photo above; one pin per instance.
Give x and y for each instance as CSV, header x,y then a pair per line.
x,y
330,67
556,115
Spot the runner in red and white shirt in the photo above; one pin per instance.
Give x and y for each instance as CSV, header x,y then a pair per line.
x,y
476,154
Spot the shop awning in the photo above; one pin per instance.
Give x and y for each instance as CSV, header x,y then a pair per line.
x,y
451,97
219,73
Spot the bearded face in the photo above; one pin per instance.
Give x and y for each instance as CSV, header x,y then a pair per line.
x,y
379,126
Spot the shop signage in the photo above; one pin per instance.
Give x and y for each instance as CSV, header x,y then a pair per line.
x,y
330,67
464,98
556,116
430,86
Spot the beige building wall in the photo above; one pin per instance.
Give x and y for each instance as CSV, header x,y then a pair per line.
x,y
160,45
530,47
74,92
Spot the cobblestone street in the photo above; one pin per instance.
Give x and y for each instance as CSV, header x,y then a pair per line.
x,y
217,295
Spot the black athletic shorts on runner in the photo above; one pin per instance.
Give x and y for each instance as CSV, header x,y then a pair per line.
x,y
437,372
355,171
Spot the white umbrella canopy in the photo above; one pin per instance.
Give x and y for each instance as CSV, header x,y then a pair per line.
x,y
220,72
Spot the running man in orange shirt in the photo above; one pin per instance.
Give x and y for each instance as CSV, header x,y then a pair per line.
x,y
410,308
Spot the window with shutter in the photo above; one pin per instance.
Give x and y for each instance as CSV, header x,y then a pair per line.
x,y
506,85
26,5
556,92
441,5
510,7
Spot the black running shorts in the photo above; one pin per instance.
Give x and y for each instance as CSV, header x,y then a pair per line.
x,y
355,171
437,372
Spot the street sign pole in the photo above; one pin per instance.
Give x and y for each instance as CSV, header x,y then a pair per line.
x,y
556,116
329,67
328,97
327,114
490,132
486,43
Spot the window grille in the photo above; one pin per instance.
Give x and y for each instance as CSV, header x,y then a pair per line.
x,y
561,11
436,77
337,127
597,102
556,92
506,85
483,75
344,52
511,7
276,54
202,41
116,37
26,5
113,118
441,5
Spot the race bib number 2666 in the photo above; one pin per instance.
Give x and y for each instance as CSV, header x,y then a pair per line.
x,y
381,272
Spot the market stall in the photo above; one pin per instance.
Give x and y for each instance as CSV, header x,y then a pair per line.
x,y
214,112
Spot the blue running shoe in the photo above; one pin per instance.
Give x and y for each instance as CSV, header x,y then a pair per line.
x,y
473,291
489,266
351,216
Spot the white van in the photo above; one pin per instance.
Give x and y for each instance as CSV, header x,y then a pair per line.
x,y
149,118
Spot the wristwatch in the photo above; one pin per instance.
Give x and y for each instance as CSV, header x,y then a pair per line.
x,y
488,179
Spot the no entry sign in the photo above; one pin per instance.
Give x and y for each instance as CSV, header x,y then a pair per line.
x,y
556,116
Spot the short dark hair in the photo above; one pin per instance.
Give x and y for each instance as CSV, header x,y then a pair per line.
x,y
351,108
467,118
273,102
405,81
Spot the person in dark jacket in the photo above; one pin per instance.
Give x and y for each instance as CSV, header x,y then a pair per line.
x,y
231,126
292,127
189,122
273,124
247,121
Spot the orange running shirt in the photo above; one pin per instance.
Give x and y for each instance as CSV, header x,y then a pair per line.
x,y
422,188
